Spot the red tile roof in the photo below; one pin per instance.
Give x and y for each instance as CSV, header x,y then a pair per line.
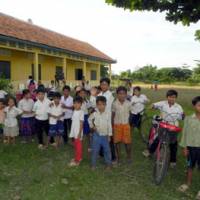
x,y
15,28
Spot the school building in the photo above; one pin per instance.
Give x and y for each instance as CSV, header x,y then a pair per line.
x,y
27,49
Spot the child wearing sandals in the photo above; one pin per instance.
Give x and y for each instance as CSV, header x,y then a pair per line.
x,y
76,132
11,129
190,142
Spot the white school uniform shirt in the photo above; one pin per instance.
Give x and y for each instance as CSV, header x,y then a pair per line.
x,y
57,111
109,98
85,106
77,118
67,102
11,114
102,122
138,103
26,105
3,94
175,110
41,109
93,101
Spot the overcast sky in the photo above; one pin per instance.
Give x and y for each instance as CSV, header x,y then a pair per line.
x,y
134,39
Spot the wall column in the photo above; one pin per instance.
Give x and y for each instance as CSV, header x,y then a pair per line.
x,y
110,71
84,70
65,68
99,72
36,63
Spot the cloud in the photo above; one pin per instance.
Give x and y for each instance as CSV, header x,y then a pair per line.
x,y
133,38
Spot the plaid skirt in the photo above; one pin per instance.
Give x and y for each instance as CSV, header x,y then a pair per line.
x,y
27,126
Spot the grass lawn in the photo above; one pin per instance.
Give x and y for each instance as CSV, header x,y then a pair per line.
x,y
27,173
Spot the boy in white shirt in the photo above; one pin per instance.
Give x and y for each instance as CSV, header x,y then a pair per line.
x,y
67,104
76,132
138,102
56,114
100,123
105,91
40,109
93,96
172,113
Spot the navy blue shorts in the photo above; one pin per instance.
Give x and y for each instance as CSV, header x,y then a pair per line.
x,y
56,129
135,120
86,127
193,157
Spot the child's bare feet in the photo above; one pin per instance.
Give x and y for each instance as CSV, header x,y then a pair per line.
x,y
41,146
198,196
183,188
146,153
74,164
93,168
108,168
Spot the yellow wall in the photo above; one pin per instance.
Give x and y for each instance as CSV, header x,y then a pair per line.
x,y
71,66
21,63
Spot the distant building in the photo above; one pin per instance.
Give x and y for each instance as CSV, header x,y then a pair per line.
x,y
27,49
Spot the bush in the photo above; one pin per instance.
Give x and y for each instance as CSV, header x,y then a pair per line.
x,y
6,85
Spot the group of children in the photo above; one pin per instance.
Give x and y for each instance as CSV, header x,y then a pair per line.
x,y
104,120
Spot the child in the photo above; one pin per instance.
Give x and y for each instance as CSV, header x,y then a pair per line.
x,y
40,109
27,119
32,88
67,104
56,114
11,129
77,131
3,94
2,116
121,111
105,91
100,123
138,102
93,95
52,88
172,113
190,141
85,106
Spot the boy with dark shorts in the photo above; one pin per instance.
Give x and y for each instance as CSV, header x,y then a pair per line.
x,y
190,142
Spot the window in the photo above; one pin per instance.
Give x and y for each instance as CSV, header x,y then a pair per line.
x,y
32,71
39,72
93,75
5,69
59,75
78,74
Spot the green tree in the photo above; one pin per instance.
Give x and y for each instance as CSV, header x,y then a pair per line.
x,y
185,11
104,71
197,35
146,73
